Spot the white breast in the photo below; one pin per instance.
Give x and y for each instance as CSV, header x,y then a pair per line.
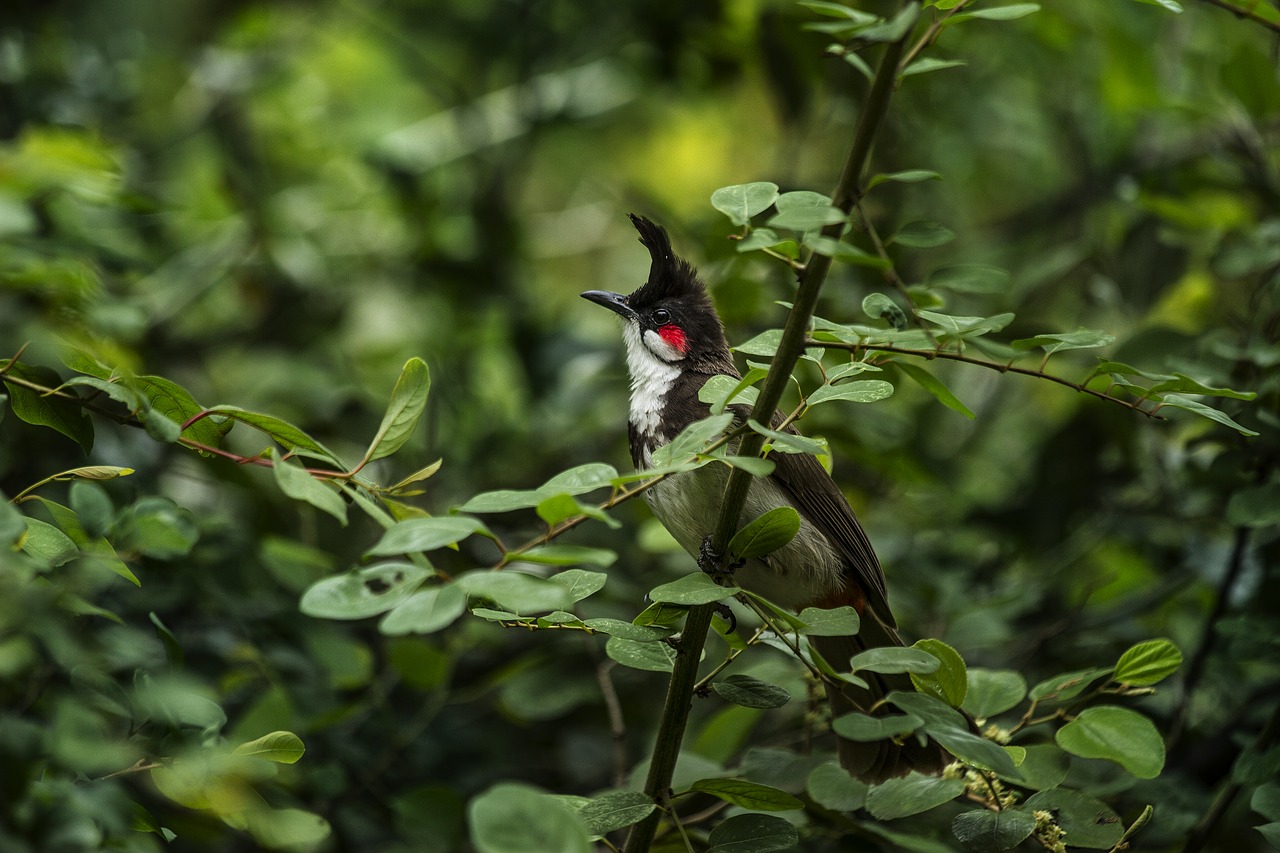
x,y
651,379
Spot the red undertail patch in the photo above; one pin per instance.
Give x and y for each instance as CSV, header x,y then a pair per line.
x,y
674,335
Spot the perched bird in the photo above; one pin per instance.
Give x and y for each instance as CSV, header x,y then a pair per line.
x,y
674,343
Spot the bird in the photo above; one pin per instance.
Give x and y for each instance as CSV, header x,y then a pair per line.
x,y
675,342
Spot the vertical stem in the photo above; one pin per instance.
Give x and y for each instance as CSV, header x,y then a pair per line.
x,y
675,712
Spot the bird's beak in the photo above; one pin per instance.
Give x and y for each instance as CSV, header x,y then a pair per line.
x,y
615,302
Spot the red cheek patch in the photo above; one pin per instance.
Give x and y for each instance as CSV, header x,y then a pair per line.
x,y
674,336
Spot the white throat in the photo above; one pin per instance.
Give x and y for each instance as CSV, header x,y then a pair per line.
x,y
651,379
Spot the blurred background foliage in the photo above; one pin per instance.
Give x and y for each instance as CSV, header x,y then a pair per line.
x,y
276,204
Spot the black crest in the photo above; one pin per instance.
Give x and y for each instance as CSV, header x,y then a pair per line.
x,y
669,276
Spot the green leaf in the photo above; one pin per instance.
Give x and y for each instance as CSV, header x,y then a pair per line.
x,y
877,306
840,621
743,201
858,391
911,794
175,403
48,544
692,589
64,416
1180,382
1088,822
750,692
97,547
838,10
764,534
719,391
652,657
1043,766
285,828
614,810
993,691
910,176
831,787
628,630
934,386
580,480
503,500
363,592
172,648
567,555
753,465
950,729
786,442
970,278
767,238
895,29
748,795
844,252
1148,663
1195,407
764,344
424,534
996,13
286,434
580,583
408,399
428,610
514,818
157,527
1256,506
1266,801
927,64
986,831
1080,339
966,327
279,747
1172,5
1069,685
516,591
805,211
1117,734
692,439
416,477
753,833
890,659
864,728
950,681
922,235
13,524
295,482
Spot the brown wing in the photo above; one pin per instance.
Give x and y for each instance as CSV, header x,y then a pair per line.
x,y
819,499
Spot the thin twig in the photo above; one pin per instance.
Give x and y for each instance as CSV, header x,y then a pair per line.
x,y
1245,14
930,35
990,365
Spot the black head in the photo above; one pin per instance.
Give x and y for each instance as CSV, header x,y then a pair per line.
x,y
671,314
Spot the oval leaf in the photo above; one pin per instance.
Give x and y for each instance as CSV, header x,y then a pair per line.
x,y
511,818
424,534
862,728
753,833
751,692
280,747
895,659
1148,663
748,795
1116,734
362,593
614,810
743,201
696,588
859,391
764,534
408,399
1088,822
991,831
426,611
993,691
911,794
950,682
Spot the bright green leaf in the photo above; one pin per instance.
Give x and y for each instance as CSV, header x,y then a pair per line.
x,y
764,534
858,391
295,482
950,681
1148,663
516,818
743,201
1117,734
993,691
408,399
280,747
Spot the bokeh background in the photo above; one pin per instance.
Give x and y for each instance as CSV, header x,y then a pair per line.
x,y
276,204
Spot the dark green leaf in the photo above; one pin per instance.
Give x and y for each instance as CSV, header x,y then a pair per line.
x,y
1044,766
93,506
990,831
894,659
286,434
1148,663
408,399
763,535
1088,822
175,403
1117,734
363,592
172,648
628,630
1266,801
743,201
1256,506
750,692
863,728
37,409
911,794
753,833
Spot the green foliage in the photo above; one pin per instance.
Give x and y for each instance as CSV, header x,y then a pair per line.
x,y
220,244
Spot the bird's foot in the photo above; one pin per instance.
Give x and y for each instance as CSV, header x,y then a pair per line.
x,y
725,612
712,563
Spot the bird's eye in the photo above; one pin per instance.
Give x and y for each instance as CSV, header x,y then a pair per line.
x,y
662,316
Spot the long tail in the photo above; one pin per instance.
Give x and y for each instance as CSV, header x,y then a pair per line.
x,y
874,761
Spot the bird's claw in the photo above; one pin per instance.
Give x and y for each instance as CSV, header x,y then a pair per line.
x,y
712,563
725,612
